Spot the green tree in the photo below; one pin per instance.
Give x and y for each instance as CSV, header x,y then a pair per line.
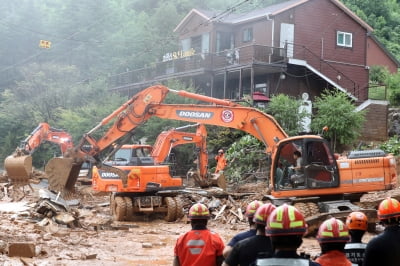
x,y
245,156
393,87
285,110
335,110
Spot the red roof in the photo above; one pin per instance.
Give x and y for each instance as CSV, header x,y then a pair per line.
x,y
258,96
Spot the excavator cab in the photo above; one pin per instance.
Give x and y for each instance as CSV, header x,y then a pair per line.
x,y
316,166
132,155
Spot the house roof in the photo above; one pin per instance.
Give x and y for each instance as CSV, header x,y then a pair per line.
x,y
269,11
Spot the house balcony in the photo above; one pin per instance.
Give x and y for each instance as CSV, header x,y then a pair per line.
x,y
271,59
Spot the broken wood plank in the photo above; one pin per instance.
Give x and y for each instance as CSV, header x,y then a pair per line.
x,y
220,212
240,214
231,211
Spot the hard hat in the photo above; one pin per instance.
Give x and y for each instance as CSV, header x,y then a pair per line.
x,y
221,151
286,220
252,207
388,208
357,221
333,231
262,213
198,211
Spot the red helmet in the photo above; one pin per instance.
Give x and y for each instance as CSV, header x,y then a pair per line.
x,y
333,231
198,211
388,208
263,212
357,221
252,207
286,220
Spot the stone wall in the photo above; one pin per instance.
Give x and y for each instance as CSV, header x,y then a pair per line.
x,y
394,122
375,127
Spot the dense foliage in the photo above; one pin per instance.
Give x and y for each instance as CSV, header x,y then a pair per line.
x,y
335,110
285,110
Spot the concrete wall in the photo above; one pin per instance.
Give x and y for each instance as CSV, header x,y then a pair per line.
x,y
376,125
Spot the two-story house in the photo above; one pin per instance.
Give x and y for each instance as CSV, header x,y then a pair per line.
x,y
297,47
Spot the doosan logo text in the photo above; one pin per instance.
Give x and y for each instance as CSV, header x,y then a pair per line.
x,y
193,114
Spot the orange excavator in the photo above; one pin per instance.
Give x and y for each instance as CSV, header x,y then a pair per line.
x,y
19,165
145,155
323,173
147,162
174,137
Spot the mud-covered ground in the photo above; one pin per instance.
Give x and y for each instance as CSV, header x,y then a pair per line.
x,y
96,240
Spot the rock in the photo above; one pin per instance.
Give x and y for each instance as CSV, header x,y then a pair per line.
x,y
64,218
90,256
3,247
47,237
147,245
21,250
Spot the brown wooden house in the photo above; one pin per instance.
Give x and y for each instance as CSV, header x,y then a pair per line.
x,y
295,47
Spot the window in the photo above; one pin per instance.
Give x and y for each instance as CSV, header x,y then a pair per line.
x,y
247,35
196,43
224,41
344,39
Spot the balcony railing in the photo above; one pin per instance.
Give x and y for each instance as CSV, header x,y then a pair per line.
x,y
199,63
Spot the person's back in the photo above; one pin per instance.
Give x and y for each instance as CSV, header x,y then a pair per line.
x,y
245,252
357,223
286,227
385,248
199,246
250,211
332,237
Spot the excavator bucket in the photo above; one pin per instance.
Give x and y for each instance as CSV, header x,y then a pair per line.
x,y
218,180
62,174
18,168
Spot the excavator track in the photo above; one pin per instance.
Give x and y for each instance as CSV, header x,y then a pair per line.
x,y
179,208
171,209
303,208
313,208
129,208
120,209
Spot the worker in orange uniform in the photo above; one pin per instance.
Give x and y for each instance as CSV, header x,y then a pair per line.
x,y
221,161
385,248
200,246
332,237
250,211
357,223
286,227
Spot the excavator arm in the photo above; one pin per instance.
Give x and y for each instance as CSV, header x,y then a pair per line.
x,y
43,133
19,165
174,137
149,103
167,140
